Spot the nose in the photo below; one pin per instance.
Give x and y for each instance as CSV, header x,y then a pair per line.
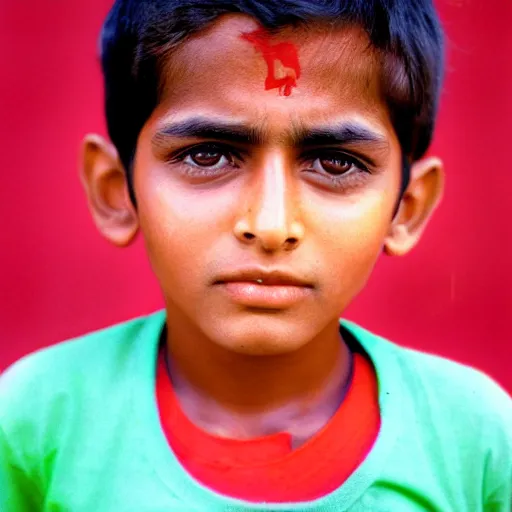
x,y
272,220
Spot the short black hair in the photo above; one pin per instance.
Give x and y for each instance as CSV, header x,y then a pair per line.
x,y
139,35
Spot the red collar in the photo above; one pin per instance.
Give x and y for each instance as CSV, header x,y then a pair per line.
x,y
267,469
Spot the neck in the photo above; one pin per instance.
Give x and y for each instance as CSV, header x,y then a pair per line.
x,y
253,396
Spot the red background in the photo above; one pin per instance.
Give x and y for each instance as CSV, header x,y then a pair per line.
x,y
58,278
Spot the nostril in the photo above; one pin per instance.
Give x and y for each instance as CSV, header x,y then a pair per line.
x,y
248,236
292,241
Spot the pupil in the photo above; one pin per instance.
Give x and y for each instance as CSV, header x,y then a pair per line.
x,y
335,166
206,158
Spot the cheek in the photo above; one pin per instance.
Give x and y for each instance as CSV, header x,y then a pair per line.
x,y
181,225
352,236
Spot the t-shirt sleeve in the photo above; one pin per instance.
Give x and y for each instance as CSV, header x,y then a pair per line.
x,y
19,489
498,436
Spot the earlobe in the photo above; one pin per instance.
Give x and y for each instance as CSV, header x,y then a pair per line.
x,y
417,206
105,184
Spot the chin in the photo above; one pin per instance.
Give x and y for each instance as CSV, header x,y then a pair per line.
x,y
261,337
261,348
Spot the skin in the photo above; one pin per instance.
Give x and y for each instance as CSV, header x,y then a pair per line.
x,y
239,371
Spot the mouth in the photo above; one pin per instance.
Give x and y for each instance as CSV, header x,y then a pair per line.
x,y
265,288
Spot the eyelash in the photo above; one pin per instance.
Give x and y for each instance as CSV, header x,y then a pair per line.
x,y
346,179
194,170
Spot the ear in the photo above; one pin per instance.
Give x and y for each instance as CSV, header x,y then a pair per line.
x,y
416,207
106,186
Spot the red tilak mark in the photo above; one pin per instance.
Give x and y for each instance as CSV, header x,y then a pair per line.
x,y
282,61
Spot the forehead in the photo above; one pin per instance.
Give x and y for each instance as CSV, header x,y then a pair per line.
x,y
218,72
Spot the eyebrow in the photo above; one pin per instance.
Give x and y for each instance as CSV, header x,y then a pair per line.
x,y
345,133
205,128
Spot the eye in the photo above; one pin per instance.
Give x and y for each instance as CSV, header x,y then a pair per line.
x,y
206,160
206,157
337,170
337,164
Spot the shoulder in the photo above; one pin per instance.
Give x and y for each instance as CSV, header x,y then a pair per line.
x,y
446,381
50,380
462,412
472,412
78,355
459,386
48,398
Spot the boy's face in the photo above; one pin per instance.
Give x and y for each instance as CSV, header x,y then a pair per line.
x,y
282,194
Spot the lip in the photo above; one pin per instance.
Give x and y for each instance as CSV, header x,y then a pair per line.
x,y
266,276
265,288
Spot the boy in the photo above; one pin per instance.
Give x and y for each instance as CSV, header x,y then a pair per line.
x,y
267,151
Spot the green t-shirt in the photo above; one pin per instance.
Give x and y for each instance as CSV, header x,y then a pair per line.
x,y
80,432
